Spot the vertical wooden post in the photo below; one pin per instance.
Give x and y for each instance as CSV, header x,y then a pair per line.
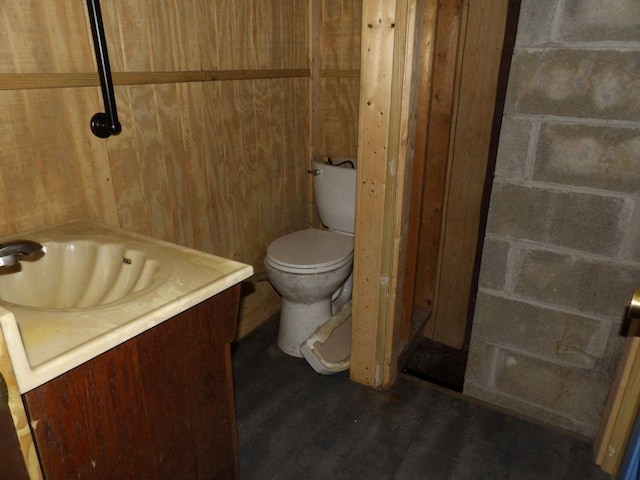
x,y
383,149
426,35
620,411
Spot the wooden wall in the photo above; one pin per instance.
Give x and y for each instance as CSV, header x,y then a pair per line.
x,y
335,47
208,164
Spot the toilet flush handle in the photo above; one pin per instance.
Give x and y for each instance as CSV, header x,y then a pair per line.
x,y
314,171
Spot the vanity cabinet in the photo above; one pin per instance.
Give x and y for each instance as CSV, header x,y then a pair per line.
x,y
159,406
11,462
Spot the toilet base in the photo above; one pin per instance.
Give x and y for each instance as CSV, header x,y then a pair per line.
x,y
298,321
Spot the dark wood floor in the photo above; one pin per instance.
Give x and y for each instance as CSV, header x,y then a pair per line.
x,y
296,424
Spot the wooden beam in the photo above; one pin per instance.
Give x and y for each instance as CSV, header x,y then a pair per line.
x,y
428,16
445,81
23,81
382,148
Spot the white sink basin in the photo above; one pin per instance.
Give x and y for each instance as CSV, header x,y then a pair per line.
x,y
76,274
95,287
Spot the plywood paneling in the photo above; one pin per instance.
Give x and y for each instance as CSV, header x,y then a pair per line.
x,y
45,37
211,165
337,55
340,34
338,119
41,141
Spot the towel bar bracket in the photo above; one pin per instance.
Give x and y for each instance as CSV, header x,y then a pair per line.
x,y
103,124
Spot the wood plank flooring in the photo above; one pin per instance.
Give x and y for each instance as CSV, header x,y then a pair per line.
x,y
296,424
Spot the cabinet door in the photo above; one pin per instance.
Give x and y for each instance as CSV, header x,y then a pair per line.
x,y
158,406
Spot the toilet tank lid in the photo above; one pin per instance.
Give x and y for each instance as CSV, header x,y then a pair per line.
x,y
311,248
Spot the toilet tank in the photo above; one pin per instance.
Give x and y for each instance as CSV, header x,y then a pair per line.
x,y
334,189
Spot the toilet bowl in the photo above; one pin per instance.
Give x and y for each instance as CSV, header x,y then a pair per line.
x,y
308,268
311,269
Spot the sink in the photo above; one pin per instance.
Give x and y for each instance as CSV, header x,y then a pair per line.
x,y
95,287
77,274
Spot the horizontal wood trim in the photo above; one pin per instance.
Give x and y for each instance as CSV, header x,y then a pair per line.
x,y
23,81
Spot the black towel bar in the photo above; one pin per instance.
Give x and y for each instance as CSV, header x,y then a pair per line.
x,y
103,124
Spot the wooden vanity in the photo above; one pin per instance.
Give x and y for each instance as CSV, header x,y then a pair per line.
x,y
159,406
135,384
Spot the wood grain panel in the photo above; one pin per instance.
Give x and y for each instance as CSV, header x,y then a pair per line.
x,y
45,37
449,40
156,36
338,129
340,40
42,181
382,143
468,163
426,28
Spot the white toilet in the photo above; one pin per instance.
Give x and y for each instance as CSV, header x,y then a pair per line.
x,y
312,268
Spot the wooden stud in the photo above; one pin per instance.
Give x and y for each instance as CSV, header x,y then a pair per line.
x,y
427,34
25,81
382,142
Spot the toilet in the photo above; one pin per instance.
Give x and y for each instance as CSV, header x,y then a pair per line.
x,y
312,268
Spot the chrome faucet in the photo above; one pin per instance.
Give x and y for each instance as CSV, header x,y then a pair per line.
x,y
10,251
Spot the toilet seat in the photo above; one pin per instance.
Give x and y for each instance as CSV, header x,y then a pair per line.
x,y
310,251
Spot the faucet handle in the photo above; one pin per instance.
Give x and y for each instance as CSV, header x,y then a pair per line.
x,y
9,251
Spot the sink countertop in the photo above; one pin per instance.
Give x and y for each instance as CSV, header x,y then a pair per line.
x,y
44,344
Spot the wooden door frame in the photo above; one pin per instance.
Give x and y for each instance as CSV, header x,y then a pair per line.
x,y
388,108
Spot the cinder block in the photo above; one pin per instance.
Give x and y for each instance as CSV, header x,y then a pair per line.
x,y
574,394
590,156
613,350
600,21
493,268
563,338
481,363
535,22
589,285
633,231
526,409
512,149
575,83
576,220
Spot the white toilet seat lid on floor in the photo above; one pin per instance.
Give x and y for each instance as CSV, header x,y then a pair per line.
x,y
311,250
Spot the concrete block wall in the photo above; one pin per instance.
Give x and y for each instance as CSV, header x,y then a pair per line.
x,y
561,257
